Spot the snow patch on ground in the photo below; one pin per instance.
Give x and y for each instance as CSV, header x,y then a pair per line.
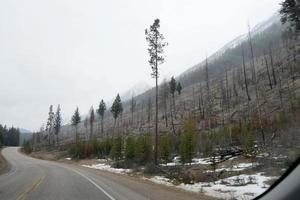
x,y
239,167
239,187
106,167
196,161
160,180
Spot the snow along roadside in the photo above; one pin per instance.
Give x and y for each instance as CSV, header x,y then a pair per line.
x,y
239,187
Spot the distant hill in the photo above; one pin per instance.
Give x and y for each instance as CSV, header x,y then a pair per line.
x,y
24,135
137,89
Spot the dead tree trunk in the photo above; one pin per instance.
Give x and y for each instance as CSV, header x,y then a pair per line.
x,y
268,72
272,66
245,74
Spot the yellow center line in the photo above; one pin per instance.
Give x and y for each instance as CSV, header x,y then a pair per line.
x,y
23,195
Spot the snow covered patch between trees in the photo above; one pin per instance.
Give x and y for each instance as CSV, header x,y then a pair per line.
x,y
108,168
238,187
160,180
239,167
195,161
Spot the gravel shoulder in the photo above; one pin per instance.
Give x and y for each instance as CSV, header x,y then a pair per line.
x,y
4,165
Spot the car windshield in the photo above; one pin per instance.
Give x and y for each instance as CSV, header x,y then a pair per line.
x,y
140,99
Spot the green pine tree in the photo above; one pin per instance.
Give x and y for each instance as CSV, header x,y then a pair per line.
x,y
165,147
143,149
179,88
130,149
188,141
116,109
101,111
50,123
92,119
57,123
75,121
156,47
117,149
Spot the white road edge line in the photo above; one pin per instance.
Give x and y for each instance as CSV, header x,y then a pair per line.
x,y
95,184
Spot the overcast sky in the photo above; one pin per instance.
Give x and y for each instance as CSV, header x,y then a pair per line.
x,y
75,52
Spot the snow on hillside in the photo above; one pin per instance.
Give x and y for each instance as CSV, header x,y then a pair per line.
x,y
259,28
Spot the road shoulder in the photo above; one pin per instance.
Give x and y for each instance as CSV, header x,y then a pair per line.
x,y
132,181
4,165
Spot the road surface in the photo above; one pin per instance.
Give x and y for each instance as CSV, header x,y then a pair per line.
x,y
31,178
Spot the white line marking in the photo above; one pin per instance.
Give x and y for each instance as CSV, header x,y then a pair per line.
x,y
95,184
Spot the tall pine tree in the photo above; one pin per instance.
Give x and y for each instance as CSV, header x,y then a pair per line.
x,y
75,121
101,110
92,119
116,109
50,123
179,88
57,123
156,46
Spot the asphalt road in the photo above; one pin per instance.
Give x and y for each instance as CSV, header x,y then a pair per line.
x,y
31,178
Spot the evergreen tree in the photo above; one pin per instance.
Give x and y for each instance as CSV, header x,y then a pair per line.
x,y
86,124
101,111
143,149
132,108
130,149
117,149
92,119
188,141
57,123
179,88
165,147
1,136
75,121
116,108
290,12
172,87
108,143
50,123
156,46
9,136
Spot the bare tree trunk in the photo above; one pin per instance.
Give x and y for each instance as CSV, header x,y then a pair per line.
x,y
172,120
280,93
227,89
234,84
91,131
272,66
207,78
252,55
245,75
156,120
102,126
268,72
202,102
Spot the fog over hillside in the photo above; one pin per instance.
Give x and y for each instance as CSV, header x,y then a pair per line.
x,y
86,52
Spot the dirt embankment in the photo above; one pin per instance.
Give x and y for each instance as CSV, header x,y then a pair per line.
x,y
4,165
